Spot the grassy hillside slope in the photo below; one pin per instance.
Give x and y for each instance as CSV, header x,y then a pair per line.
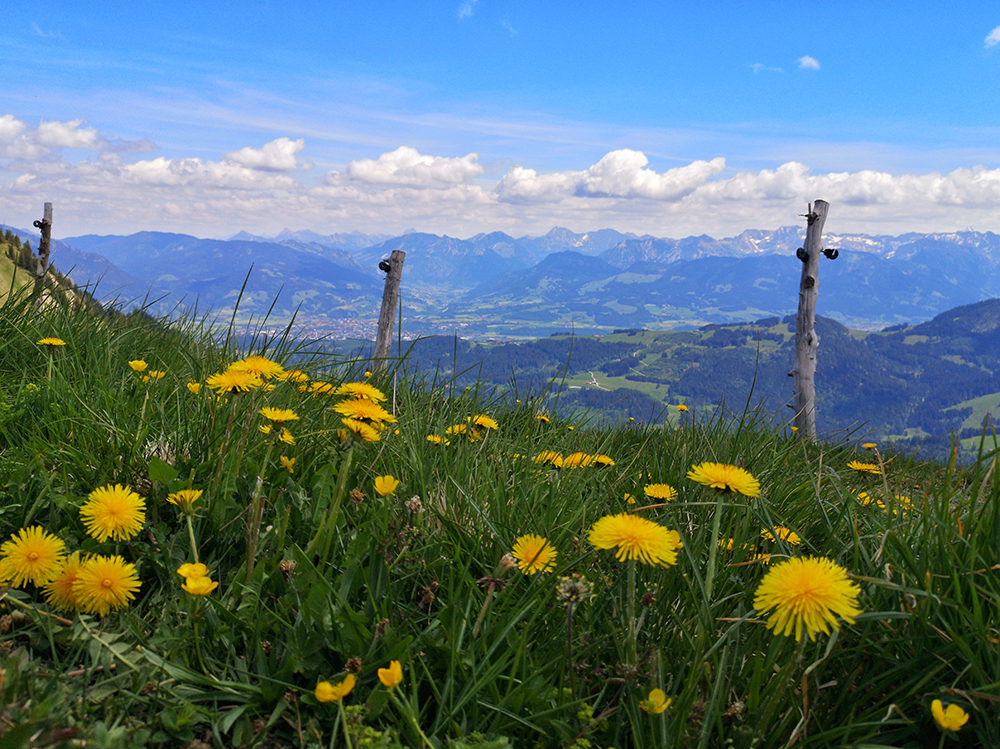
x,y
476,603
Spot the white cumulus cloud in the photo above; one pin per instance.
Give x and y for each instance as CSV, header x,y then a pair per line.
x,y
620,174
993,38
808,63
276,156
67,135
407,166
10,128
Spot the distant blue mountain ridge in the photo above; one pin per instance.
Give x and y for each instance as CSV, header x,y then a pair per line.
x,y
496,284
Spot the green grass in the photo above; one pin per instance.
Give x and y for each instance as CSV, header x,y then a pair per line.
x,y
342,578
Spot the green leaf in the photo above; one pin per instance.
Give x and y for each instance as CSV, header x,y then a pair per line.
x,y
160,470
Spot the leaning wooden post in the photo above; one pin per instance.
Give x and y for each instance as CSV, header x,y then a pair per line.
x,y
806,340
43,250
390,300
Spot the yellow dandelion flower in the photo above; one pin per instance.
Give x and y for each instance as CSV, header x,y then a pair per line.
x,y
104,584
575,460
551,457
950,718
258,365
185,498
857,465
194,387
286,437
33,555
386,485
660,491
138,365
199,586
484,422
542,418
727,477
264,428
534,554
362,430
682,408
391,677
869,445
807,593
114,512
636,538
59,590
288,463
364,410
603,460
437,439
293,375
278,415
629,499
360,391
190,571
656,703
327,692
785,534
233,381
51,342
457,429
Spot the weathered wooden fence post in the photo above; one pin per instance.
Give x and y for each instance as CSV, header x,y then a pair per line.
x,y
806,340
43,251
390,300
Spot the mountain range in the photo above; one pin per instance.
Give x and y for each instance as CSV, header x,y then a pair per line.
x,y
493,284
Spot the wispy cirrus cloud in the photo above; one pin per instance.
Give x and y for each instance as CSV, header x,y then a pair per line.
x,y
465,9
993,38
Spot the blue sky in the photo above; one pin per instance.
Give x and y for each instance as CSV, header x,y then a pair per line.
x,y
473,115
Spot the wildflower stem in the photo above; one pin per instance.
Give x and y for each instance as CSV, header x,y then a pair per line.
x,y
142,417
194,546
482,611
713,546
343,723
633,632
407,711
257,511
333,511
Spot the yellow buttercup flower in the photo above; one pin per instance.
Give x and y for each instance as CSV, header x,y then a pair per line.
x,y
950,718
636,538
199,586
194,387
660,491
190,571
59,590
534,554
656,703
33,555
785,534
386,485
327,692
629,499
392,676
138,365
288,463
114,512
51,342
104,584
726,477
278,415
807,593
